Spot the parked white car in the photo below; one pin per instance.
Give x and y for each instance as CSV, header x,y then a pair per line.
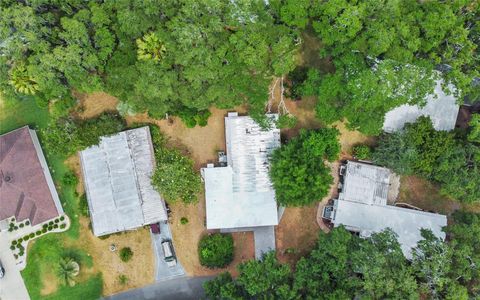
x,y
168,255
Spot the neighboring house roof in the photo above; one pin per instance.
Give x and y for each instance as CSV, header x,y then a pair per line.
x,y
362,207
117,176
406,223
241,194
26,186
365,183
442,110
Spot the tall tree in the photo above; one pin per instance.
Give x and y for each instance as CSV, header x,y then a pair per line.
x,y
298,172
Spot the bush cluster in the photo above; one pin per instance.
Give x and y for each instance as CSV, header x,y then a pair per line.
x,y
216,250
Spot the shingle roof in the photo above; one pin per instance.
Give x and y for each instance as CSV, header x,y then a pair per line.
x,y
26,187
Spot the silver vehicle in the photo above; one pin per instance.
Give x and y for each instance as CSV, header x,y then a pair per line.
x,y
2,270
169,257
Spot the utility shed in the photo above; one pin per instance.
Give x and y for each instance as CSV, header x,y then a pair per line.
x,y
117,182
440,107
241,194
406,223
365,183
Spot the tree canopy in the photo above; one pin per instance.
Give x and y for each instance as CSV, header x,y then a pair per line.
x,y
155,56
344,266
390,53
449,158
298,172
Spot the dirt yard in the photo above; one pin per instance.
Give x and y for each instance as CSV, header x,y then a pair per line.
x,y
139,270
91,105
425,195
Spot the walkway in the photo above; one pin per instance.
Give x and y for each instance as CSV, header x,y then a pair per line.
x,y
184,288
12,286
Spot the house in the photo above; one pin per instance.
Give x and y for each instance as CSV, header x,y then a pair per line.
x,y
362,208
27,191
442,109
117,174
239,194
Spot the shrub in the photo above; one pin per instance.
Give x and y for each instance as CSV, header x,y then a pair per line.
x,y
69,179
286,121
83,206
50,228
14,242
175,176
362,152
16,227
16,256
44,230
20,240
12,247
32,235
123,279
62,218
183,221
45,225
27,222
50,223
26,238
62,226
38,233
10,229
126,254
21,253
216,250
55,226
57,220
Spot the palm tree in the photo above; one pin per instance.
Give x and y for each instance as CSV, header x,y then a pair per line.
x,y
150,47
22,81
68,270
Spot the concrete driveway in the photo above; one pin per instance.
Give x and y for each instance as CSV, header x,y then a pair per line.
x,y
162,271
12,286
183,288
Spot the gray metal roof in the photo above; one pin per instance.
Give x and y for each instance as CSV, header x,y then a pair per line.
x,y
406,223
117,182
241,194
365,183
440,107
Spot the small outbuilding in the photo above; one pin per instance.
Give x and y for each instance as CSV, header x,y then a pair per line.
x,y
117,175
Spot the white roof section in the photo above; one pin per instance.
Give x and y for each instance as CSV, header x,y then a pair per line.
x,y
241,194
440,107
406,223
117,182
365,183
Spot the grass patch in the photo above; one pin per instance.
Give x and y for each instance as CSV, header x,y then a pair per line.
x,y
89,289
16,114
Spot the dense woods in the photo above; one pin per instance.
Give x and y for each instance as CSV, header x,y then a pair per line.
x,y
176,57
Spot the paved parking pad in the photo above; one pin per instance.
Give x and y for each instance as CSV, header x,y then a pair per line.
x,y
162,270
12,286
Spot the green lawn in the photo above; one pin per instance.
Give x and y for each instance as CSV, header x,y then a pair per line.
x,y
45,253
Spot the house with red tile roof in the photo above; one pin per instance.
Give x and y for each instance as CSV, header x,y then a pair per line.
x,y
27,191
